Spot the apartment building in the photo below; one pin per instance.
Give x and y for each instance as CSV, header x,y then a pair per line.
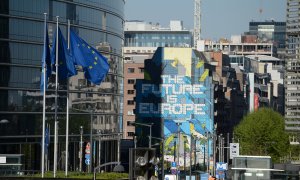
x,y
133,70
292,68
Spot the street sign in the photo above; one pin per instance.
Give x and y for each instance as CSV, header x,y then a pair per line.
x,y
221,166
87,156
87,148
87,161
234,150
220,174
220,170
173,164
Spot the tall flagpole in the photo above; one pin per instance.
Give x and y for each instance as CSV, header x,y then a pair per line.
x,y
44,99
67,119
56,90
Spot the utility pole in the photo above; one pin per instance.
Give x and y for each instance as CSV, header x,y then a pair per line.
x,y
80,149
227,149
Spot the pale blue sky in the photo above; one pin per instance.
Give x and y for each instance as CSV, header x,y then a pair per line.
x,y
220,18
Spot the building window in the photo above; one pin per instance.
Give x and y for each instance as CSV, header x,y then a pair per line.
x,y
130,70
141,70
131,81
130,123
130,134
130,113
130,92
130,102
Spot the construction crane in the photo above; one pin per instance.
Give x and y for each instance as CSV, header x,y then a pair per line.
x,y
260,10
197,22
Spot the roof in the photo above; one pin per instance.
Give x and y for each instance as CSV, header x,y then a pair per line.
x,y
263,58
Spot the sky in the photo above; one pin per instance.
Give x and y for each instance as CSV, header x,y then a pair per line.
x,y
219,18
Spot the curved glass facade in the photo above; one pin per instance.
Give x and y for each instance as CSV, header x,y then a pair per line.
x,y
98,22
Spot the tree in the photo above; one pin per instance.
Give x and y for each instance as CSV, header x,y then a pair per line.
x,y
262,133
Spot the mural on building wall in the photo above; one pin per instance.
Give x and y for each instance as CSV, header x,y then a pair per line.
x,y
176,96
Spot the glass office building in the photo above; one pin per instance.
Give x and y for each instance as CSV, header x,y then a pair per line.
x,y
270,31
158,39
98,22
142,34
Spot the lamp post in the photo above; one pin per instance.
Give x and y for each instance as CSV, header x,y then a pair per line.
x,y
184,154
191,150
80,148
178,149
208,160
91,142
214,149
147,125
162,156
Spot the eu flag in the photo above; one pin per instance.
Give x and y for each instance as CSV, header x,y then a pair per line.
x,y
46,61
66,66
47,139
95,66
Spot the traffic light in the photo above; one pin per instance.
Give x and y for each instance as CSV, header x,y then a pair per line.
x,y
142,163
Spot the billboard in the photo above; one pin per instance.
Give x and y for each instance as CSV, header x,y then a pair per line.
x,y
176,96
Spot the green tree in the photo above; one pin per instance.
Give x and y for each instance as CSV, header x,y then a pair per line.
x,y
262,133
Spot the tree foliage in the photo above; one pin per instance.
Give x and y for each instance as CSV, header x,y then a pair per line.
x,y
262,133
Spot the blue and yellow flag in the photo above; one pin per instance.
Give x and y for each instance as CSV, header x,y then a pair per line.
x,y
46,60
66,64
95,65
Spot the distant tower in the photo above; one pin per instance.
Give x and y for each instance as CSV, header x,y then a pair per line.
x,y
197,22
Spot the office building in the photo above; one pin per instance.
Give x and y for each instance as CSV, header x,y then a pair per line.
x,y
238,45
272,32
265,82
100,24
139,34
292,67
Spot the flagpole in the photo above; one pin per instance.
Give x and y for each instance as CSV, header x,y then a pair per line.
x,y
44,100
56,90
67,119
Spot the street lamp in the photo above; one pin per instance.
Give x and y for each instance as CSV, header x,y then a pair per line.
x,y
147,125
91,111
208,136
80,148
184,153
163,157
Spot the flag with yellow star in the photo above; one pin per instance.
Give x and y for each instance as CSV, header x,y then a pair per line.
x,y
46,60
66,64
94,64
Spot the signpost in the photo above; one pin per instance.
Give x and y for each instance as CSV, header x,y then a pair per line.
x,y
220,170
234,150
87,154
173,168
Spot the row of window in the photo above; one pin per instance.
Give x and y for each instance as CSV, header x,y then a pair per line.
x,y
83,15
132,70
158,44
